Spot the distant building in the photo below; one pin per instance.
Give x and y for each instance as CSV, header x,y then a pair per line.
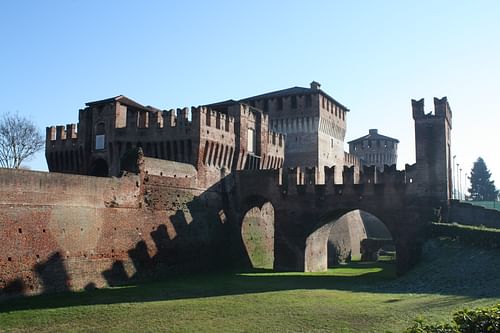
x,y
375,149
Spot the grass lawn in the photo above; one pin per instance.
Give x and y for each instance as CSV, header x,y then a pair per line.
x,y
359,297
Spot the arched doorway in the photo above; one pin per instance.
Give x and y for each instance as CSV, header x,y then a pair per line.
x,y
343,236
257,234
99,168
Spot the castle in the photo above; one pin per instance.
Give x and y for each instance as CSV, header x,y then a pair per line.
x,y
298,126
209,189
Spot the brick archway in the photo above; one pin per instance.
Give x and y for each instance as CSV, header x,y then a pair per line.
x,y
337,235
257,232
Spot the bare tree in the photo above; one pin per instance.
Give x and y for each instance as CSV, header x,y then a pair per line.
x,y
19,140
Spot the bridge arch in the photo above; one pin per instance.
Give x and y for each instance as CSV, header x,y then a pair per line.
x,y
357,235
337,237
257,231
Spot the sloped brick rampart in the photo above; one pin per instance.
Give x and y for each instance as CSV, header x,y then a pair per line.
x,y
67,232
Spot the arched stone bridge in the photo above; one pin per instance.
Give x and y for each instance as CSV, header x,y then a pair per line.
x,y
305,210
306,204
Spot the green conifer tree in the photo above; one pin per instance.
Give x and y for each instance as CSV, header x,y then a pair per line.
x,y
481,187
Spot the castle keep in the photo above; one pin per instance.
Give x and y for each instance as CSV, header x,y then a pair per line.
x,y
313,121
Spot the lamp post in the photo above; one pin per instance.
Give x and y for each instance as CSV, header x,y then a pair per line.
x,y
458,182
465,186
454,178
461,191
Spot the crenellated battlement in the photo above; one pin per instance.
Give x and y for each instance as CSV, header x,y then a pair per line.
x,y
164,120
63,134
174,118
417,108
368,183
442,109
350,175
205,117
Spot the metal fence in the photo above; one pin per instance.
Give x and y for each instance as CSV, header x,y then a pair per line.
x,y
486,204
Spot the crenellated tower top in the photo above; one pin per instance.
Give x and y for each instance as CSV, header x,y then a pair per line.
x,y
442,109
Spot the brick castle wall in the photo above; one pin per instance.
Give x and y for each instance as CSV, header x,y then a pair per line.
x,y
67,232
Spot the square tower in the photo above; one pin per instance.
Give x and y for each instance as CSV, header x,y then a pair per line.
x,y
433,149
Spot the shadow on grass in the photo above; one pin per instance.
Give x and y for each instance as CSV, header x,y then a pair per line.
x,y
352,277
448,268
376,277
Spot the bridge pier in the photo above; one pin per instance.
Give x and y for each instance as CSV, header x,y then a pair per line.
x,y
407,255
289,244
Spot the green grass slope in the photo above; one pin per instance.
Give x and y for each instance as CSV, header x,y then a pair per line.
x,y
452,268
359,297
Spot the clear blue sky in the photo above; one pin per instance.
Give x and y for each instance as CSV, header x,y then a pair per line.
x,y
372,56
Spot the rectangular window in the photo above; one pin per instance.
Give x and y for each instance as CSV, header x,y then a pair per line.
x,y
99,142
251,140
294,102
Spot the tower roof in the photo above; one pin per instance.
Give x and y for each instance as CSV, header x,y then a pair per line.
x,y
373,135
296,91
120,98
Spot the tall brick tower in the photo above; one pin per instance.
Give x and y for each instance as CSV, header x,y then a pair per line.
x,y
433,149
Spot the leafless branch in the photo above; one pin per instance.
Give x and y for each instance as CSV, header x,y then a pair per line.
x,y
19,140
